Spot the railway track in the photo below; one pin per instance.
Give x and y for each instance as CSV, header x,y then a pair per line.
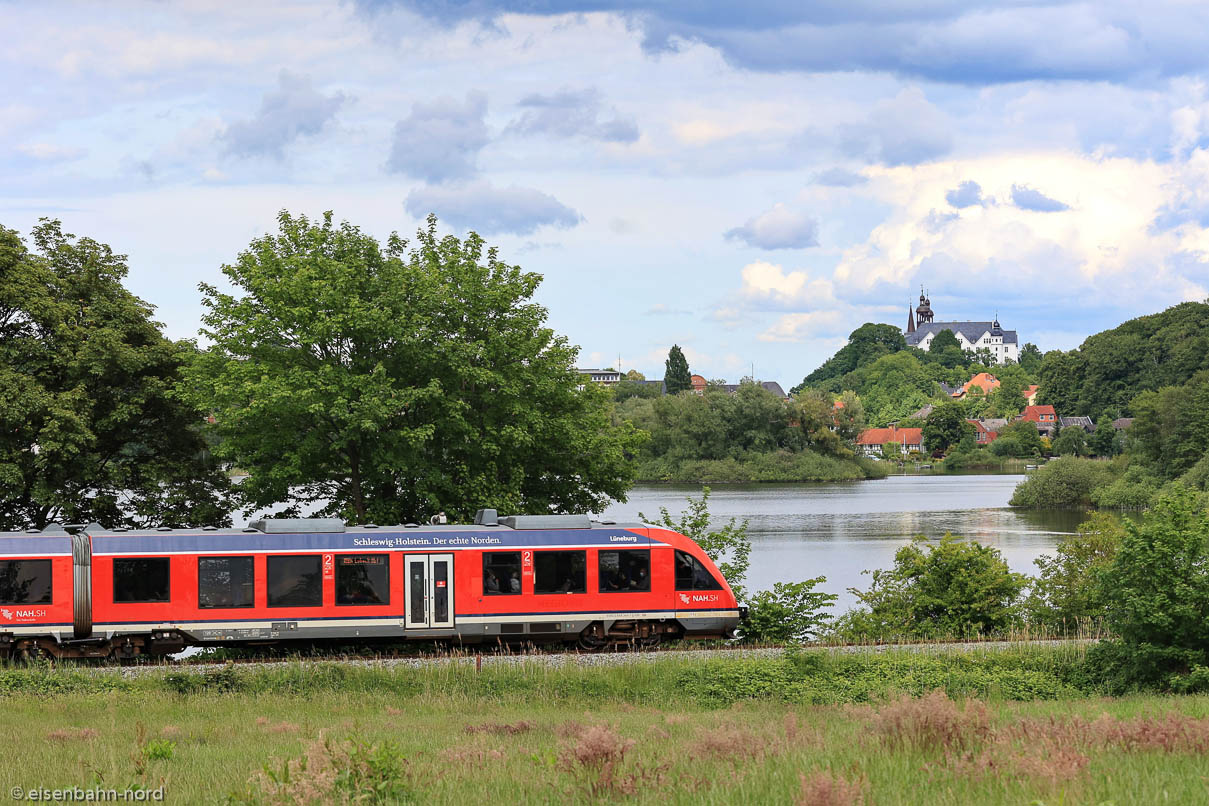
x,y
570,657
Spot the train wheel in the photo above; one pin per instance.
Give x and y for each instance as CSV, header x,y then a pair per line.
x,y
650,641
589,642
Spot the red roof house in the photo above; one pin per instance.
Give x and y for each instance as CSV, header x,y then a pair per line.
x,y
1044,416
871,440
984,381
982,434
1039,414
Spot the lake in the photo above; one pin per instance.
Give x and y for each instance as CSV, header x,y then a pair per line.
x,y
838,530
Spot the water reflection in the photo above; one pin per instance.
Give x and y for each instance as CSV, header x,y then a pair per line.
x,y
839,530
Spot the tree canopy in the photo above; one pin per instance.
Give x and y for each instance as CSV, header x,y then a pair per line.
x,y
89,427
382,383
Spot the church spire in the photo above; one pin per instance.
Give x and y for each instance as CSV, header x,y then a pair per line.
x,y
910,319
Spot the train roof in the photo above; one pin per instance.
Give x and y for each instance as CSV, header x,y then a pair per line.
x,y
322,534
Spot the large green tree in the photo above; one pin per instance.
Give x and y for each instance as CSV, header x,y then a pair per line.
x,y
89,427
1071,441
945,426
1030,357
382,383
676,377
1019,439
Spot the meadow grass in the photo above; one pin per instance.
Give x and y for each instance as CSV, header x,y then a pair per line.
x,y
820,728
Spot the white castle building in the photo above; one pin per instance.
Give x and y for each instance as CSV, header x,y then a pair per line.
x,y
921,329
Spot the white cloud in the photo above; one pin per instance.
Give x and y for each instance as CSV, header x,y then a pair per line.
x,y
778,228
50,152
798,327
770,285
1104,246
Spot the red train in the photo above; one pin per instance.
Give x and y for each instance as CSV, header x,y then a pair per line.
x,y
93,592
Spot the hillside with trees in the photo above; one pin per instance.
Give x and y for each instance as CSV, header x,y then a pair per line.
x,y
1154,369
1108,371
894,380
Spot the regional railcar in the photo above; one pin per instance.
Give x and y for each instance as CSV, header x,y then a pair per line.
x,y
92,592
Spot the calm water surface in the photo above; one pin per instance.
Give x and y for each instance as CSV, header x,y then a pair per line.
x,y
838,530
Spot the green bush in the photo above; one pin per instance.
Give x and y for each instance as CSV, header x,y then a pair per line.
x,y
1134,489
1157,590
1068,594
792,612
1064,483
1019,439
950,588
158,750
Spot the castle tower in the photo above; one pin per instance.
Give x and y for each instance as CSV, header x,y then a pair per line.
x,y
923,314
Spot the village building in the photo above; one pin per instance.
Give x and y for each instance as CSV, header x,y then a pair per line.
x,y
872,440
983,381
986,431
1043,417
1082,422
1003,345
605,377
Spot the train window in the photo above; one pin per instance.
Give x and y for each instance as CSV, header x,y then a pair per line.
x,y
225,582
362,579
140,579
692,576
24,582
560,572
501,572
294,581
627,570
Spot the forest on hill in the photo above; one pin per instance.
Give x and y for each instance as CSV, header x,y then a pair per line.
x,y
894,380
1109,370
1153,369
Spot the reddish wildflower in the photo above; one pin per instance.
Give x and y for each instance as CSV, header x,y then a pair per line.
x,y
501,729
933,722
824,789
69,734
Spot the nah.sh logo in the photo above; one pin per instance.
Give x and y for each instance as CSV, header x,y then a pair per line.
x,y
8,614
683,597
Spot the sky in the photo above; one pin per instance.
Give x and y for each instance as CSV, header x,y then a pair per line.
x,y
750,181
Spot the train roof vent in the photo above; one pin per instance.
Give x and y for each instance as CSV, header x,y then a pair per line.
x,y
53,529
547,521
487,517
293,526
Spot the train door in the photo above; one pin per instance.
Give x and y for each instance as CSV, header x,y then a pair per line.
x,y
429,591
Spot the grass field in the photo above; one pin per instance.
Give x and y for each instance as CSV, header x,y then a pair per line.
x,y
816,729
